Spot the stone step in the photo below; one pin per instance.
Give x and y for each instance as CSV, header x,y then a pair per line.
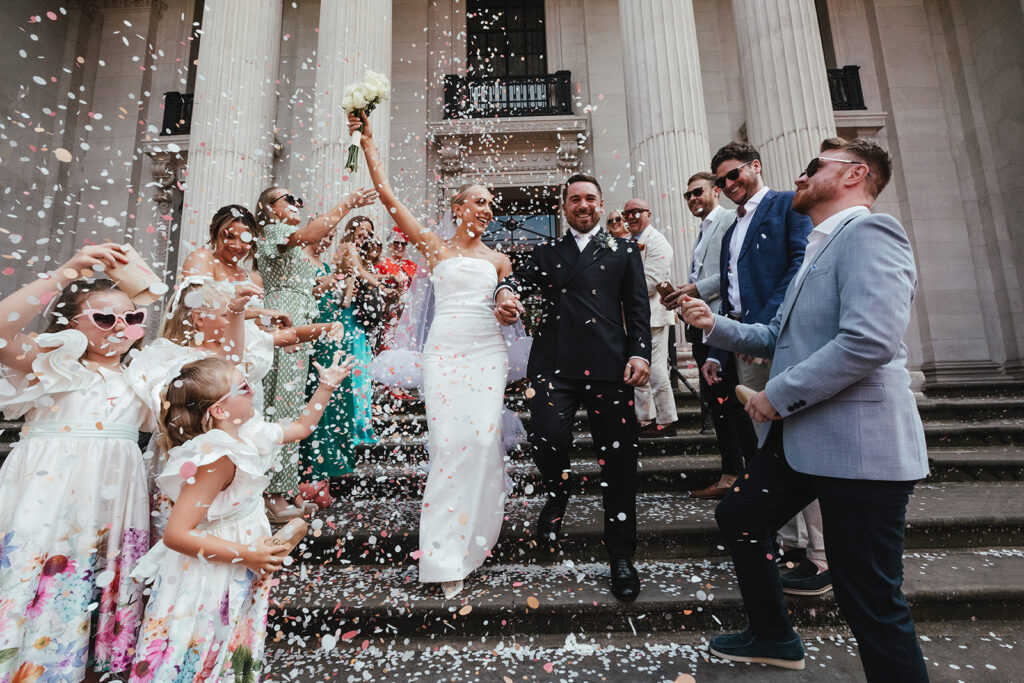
x,y
939,433
955,650
672,473
988,388
367,602
670,526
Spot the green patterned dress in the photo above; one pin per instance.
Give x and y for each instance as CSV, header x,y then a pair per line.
x,y
331,449
288,281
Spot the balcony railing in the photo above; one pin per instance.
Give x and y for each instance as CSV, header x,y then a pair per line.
x,y
177,113
844,86
476,98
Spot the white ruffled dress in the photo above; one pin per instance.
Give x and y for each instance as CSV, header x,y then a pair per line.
x,y
74,516
160,363
208,620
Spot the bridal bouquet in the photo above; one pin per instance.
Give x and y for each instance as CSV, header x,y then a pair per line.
x,y
364,96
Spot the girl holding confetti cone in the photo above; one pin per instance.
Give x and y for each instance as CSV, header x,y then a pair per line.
x,y
211,574
74,515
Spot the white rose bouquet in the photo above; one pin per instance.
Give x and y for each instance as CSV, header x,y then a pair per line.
x,y
364,96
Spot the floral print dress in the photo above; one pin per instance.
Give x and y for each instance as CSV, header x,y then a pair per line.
x,y
74,517
206,621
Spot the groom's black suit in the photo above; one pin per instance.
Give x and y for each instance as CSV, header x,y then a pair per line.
x,y
595,316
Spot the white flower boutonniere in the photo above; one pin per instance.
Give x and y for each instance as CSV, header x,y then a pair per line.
x,y
607,241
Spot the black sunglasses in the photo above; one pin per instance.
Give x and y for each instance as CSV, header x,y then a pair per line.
x,y
291,199
732,175
617,219
815,165
697,192
636,213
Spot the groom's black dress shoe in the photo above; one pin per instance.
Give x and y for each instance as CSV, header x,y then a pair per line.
x,y
549,523
625,581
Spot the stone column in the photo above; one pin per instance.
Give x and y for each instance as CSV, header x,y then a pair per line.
x,y
355,35
231,143
667,123
785,84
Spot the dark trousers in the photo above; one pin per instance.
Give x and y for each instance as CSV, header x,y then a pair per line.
x,y
613,425
733,428
864,524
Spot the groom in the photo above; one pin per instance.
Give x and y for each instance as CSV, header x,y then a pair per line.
x,y
592,345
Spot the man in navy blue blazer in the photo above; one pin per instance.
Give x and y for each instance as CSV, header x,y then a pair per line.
x,y
760,255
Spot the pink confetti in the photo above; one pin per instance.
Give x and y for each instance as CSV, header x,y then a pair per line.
x,y
188,470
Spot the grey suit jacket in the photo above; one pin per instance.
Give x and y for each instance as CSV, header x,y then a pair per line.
x,y
708,256
839,376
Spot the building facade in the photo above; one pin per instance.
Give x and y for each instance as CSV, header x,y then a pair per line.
x,y
135,119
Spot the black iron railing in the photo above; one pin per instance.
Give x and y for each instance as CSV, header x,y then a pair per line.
x,y
844,86
475,98
177,113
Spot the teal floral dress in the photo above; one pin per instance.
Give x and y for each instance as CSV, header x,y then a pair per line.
x,y
288,281
330,450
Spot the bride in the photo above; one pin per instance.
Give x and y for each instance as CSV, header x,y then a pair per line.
x,y
465,361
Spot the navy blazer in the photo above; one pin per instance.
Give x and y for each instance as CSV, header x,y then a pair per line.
x,y
770,256
595,314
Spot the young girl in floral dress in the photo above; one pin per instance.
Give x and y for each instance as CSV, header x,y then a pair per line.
x,y
74,515
207,612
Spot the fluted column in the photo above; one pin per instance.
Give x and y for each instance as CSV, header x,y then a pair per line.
x,y
668,134
231,143
355,35
785,84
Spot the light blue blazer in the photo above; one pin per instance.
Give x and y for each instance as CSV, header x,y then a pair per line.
x,y
839,375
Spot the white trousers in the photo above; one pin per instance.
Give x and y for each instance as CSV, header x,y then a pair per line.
x,y
805,531
655,401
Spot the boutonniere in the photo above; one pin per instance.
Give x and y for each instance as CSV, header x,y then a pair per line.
x,y
606,240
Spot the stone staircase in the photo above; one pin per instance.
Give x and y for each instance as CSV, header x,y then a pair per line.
x,y
350,606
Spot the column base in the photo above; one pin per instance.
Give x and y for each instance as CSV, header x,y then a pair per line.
x,y
975,378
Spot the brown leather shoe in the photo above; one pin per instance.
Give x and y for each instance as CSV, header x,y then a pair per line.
x,y
654,430
713,492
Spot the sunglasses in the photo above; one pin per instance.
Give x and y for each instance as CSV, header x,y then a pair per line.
x,y
244,389
636,213
290,198
106,321
615,220
699,191
815,165
732,175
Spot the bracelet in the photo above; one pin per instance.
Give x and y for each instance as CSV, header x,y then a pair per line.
x,y
332,386
231,310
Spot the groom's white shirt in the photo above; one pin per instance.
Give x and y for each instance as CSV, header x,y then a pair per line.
x,y
583,238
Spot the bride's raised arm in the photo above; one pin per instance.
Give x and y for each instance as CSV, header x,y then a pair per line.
x,y
429,244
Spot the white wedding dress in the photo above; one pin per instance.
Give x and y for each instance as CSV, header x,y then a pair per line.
x,y
465,363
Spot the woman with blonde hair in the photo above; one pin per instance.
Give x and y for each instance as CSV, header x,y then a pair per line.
x,y
464,366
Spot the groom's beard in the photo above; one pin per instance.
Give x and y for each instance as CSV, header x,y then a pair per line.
x,y
584,222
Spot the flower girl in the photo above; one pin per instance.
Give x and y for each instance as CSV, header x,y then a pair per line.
x,y
207,611
74,517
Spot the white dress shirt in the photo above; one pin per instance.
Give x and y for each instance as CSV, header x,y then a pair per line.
x,y
820,233
583,238
704,224
736,245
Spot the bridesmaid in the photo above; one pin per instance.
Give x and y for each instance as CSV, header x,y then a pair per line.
x,y
330,450
289,277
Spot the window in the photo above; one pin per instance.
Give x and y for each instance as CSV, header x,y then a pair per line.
x,y
524,216
505,38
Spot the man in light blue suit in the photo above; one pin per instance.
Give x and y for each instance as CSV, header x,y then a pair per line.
x,y
844,423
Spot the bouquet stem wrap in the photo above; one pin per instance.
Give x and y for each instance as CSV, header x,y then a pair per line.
x,y
363,97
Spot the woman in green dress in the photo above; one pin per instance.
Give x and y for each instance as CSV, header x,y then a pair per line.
x,y
289,277
346,424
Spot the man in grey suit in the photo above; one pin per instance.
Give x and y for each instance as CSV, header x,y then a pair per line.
x,y
844,423
733,429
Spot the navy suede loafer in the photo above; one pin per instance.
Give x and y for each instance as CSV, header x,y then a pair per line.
x,y
746,647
